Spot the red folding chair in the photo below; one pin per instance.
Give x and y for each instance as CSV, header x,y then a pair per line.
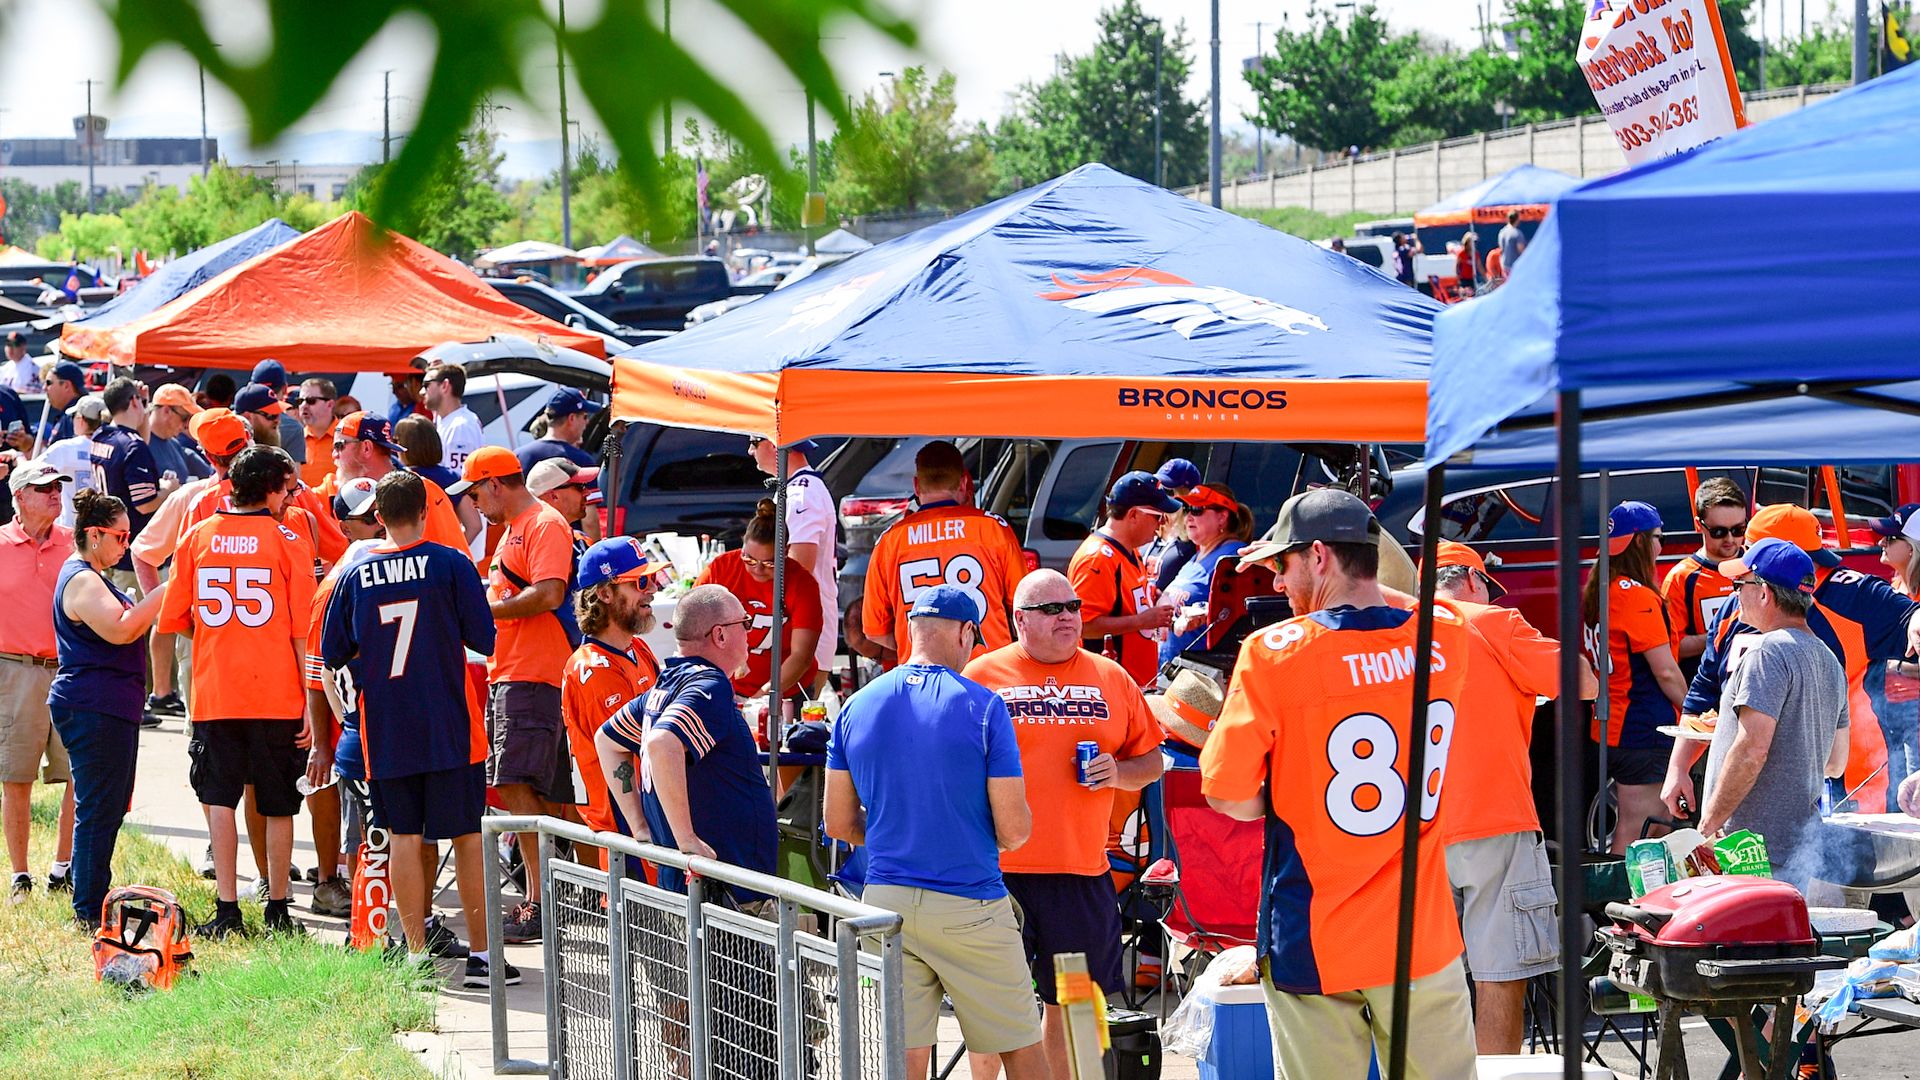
x,y
1216,904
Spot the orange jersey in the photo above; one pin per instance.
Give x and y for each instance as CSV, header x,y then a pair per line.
x,y
1636,706
944,544
1109,579
537,546
243,585
598,680
1055,707
804,612
319,464
1318,714
1694,591
1489,776
329,543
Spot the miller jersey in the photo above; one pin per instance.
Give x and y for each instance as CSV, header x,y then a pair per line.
x,y
1318,714
242,586
944,544
408,615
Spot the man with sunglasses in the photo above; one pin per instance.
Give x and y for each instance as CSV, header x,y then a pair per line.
x,y
1060,695
443,391
1121,619
612,666
32,548
314,407
1695,590
363,448
571,489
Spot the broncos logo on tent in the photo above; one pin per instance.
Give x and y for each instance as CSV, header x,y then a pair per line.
x,y
1173,301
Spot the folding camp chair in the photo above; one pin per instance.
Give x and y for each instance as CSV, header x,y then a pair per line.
x,y
1204,913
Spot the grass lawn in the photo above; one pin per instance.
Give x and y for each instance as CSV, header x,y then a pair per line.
x,y
259,1007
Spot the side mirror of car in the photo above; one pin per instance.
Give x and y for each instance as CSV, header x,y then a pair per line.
x,y
575,320
617,290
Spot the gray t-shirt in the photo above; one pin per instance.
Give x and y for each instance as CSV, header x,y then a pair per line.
x,y
1510,240
1793,677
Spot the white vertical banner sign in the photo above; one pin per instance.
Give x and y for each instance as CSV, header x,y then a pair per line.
x,y
1660,72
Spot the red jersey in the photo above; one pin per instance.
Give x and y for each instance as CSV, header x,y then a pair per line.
x,y
1490,775
944,544
243,585
598,680
1110,579
1317,714
1636,706
803,613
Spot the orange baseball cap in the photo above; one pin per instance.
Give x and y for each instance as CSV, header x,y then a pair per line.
x,y
176,395
486,463
1454,553
1202,497
1794,524
218,431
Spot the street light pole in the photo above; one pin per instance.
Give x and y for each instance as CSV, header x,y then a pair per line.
x,y
566,158
1259,134
90,140
1159,36
204,155
1213,148
1862,38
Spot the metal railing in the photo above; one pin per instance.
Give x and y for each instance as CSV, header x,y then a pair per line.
x,y
645,984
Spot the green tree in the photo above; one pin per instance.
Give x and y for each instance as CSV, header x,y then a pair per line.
x,y
1318,85
1439,94
87,236
33,212
903,151
460,204
1823,55
1099,107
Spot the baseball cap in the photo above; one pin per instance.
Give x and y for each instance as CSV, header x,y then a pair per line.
x,y
1202,497
177,396
69,371
617,558
1454,553
945,602
94,408
567,401
1774,561
1894,524
368,428
486,463
270,373
1329,515
256,397
15,337
37,471
1794,524
1628,520
355,499
1140,489
1178,473
557,472
218,431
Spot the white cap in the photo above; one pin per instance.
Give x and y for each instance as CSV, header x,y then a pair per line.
x,y
547,475
355,497
37,471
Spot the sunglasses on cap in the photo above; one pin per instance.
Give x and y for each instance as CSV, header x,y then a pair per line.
x,y
1055,607
1721,532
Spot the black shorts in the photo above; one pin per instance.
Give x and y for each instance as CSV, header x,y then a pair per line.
x,y
224,756
435,806
1062,913
528,741
1638,764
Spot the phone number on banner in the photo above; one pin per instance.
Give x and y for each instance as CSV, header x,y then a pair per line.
x,y
1639,133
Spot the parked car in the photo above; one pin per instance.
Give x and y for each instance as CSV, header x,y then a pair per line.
x,y
656,294
697,482
562,308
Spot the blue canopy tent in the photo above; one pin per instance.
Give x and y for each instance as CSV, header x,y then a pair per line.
x,y
1698,310
189,272
1528,189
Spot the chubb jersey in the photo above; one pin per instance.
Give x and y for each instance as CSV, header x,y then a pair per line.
x,y
944,544
242,585
1318,711
408,615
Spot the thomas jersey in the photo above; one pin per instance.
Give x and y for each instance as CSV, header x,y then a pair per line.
x,y
242,584
1318,714
804,612
599,679
408,615
949,544
1636,706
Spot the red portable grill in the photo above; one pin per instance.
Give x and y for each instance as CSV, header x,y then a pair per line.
x,y
1717,946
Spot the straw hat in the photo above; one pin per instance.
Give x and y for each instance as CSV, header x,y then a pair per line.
x,y
1189,708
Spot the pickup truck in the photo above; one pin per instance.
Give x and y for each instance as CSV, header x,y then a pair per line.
x,y
656,294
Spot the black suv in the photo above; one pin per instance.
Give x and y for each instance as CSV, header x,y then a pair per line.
x,y
656,294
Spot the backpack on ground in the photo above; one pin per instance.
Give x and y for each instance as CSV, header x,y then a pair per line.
x,y
142,942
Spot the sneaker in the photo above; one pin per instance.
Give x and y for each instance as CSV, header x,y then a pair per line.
x,y
206,859
219,927
149,720
167,704
22,890
480,977
60,882
522,924
442,942
258,890
332,898
280,921
313,876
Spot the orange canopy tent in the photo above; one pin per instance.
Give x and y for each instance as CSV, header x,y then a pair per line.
x,y
348,296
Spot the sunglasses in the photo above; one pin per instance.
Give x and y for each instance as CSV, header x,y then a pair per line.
x,y
1721,532
313,400
118,534
52,487
577,487
756,564
741,623
1057,607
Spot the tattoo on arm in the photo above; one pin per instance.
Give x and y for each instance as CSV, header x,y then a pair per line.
x,y
625,773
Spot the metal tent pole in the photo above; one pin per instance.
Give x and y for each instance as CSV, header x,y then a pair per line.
x,y
1416,774
1568,736
776,715
1603,642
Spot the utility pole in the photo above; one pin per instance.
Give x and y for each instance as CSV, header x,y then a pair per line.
x,y
1259,134
386,116
666,147
1763,44
1159,167
90,141
1862,39
204,154
1213,150
566,160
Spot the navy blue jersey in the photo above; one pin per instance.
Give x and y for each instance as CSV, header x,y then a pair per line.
x,y
123,467
538,450
409,615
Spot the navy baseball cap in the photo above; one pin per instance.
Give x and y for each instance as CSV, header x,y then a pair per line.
x,y
1140,489
1178,473
1895,523
617,558
1628,520
945,602
269,373
1777,562
70,372
255,397
566,402
368,428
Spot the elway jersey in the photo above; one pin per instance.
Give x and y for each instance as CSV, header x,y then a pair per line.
x,y
242,584
944,544
409,615
1318,713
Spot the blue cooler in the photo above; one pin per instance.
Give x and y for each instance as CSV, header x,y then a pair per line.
x,y
1242,1045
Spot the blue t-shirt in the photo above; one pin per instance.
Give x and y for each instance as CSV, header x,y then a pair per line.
x,y
921,742
123,467
53,426
727,795
539,450
409,615
1192,584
